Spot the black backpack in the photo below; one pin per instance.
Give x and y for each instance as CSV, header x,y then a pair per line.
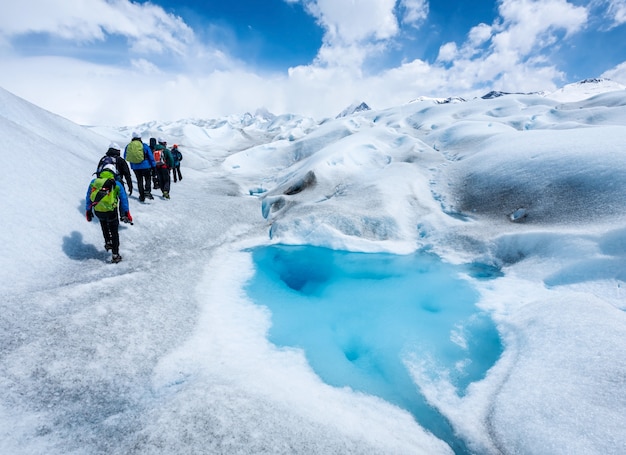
x,y
107,160
153,143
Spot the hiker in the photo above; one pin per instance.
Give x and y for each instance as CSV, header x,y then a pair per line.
x,y
164,162
142,163
113,157
104,194
178,157
155,178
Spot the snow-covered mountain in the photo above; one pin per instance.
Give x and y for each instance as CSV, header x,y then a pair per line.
x,y
167,352
497,93
585,89
452,99
247,130
353,109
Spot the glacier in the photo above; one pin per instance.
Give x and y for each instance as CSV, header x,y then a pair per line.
x,y
519,199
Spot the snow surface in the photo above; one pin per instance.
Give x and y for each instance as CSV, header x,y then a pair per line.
x,y
167,353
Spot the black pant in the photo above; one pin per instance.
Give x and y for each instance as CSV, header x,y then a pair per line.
x,y
163,175
110,223
175,170
143,182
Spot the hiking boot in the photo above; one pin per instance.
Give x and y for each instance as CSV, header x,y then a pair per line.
x,y
116,258
149,196
166,194
108,246
142,198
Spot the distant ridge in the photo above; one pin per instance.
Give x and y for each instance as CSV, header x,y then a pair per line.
x,y
353,109
449,100
584,89
496,94
576,91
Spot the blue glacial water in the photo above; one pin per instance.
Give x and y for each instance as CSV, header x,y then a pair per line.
x,y
358,316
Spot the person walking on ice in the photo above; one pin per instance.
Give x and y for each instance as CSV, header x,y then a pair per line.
x,y
178,157
113,157
142,163
104,195
164,162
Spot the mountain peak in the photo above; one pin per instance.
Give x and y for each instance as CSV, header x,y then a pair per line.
x,y
586,88
496,94
353,109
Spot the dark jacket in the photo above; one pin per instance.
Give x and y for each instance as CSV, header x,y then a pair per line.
x,y
167,156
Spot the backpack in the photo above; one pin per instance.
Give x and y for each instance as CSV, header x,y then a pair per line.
x,y
107,160
104,194
177,155
153,143
159,157
134,152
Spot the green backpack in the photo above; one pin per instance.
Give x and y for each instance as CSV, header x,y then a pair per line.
x,y
104,194
134,152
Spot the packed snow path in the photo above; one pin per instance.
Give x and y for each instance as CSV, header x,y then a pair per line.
x,y
82,360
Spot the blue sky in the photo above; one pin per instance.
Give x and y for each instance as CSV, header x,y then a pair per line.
x,y
270,34
97,61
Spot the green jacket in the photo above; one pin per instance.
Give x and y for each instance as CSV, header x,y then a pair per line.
x,y
166,159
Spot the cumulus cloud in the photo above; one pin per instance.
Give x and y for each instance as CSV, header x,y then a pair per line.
x,y
617,11
415,11
505,52
208,82
508,54
448,52
148,28
531,24
479,34
348,22
352,30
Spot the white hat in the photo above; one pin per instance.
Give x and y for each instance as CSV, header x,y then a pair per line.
x,y
161,141
110,167
136,135
114,146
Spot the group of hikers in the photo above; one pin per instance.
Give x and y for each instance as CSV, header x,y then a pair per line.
x,y
106,195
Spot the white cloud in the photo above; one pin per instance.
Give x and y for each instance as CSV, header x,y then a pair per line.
x,y
416,11
617,11
353,31
348,21
479,34
498,52
508,53
147,27
447,52
144,66
529,25
206,82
